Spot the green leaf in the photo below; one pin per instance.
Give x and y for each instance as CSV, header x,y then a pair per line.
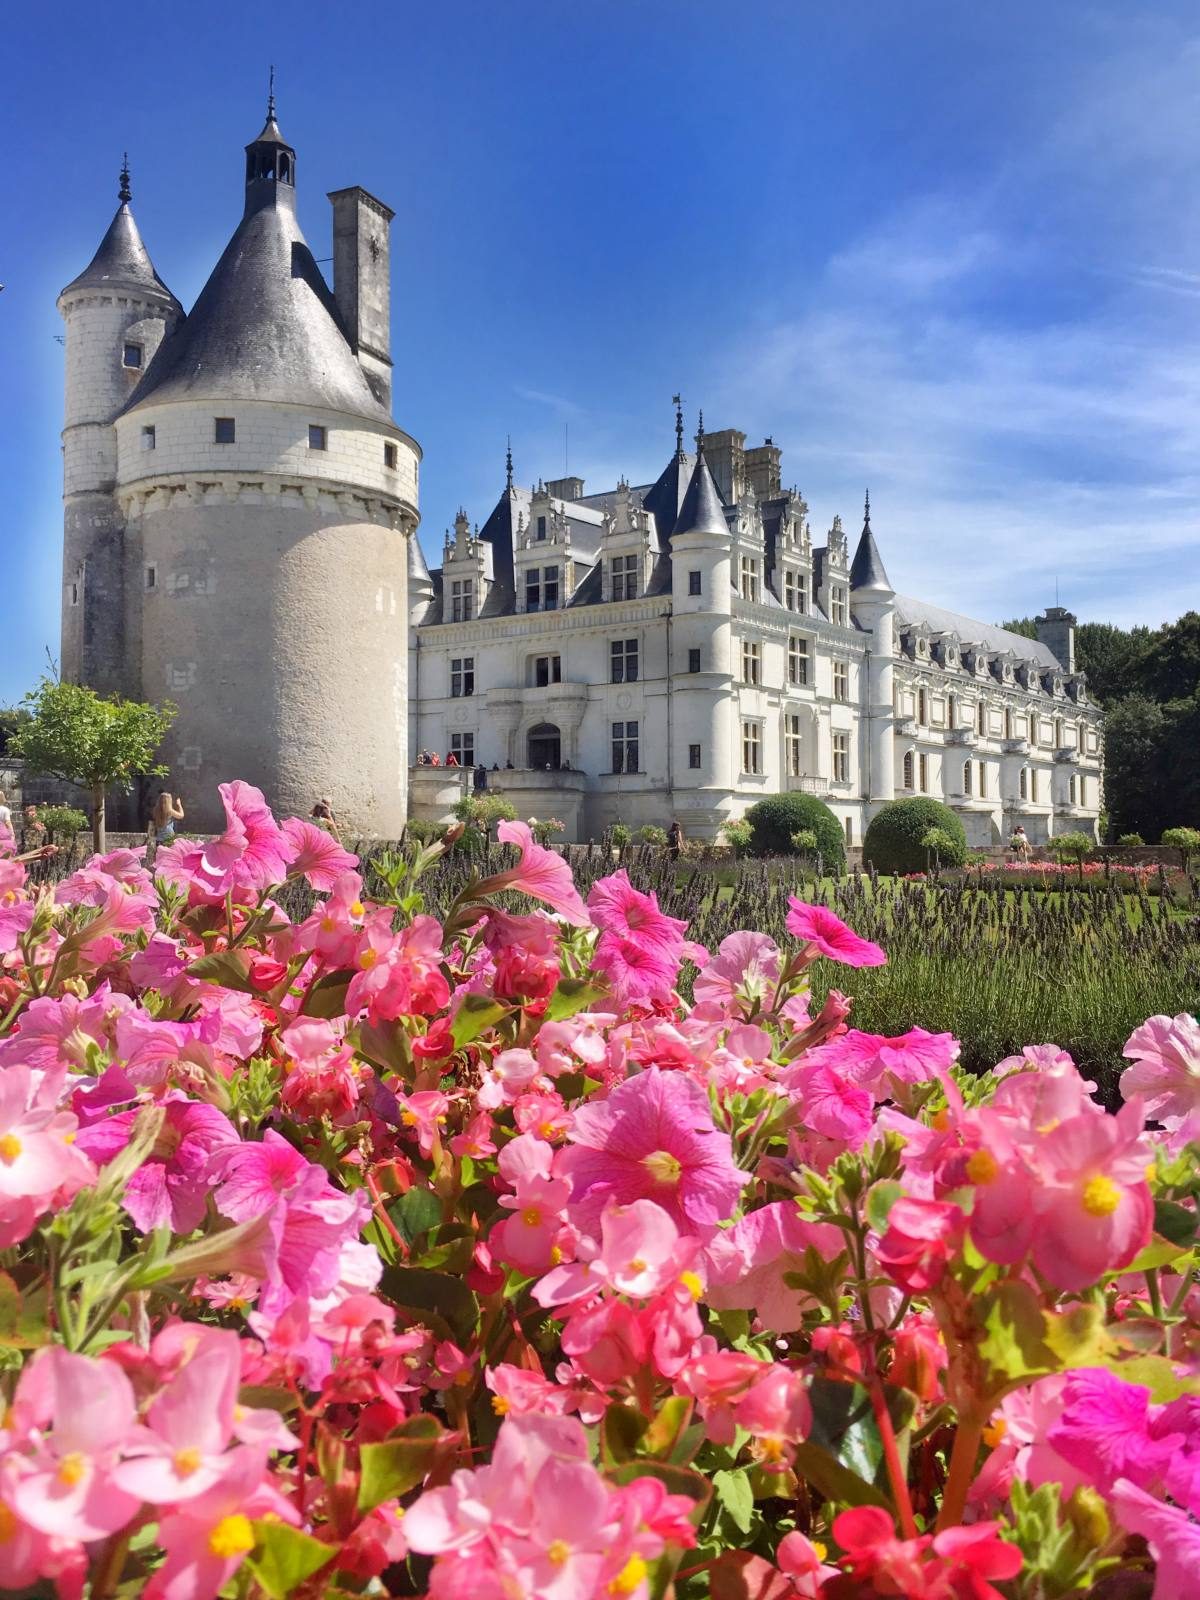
x,y
664,1433
621,1433
24,1323
284,1557
1078,1336
421,1291
736,1496
1175,1222
229,968
881,1197
1012,1342
474,1016
571,995
327,997
415,1212
1156,1373
394,1466
835,1481
1158,1253
844,1424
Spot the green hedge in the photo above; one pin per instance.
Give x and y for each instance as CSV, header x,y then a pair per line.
x,y
893,841
774,820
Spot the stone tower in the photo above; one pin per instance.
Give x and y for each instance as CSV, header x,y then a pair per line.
x,y
873,607
116,312
265,498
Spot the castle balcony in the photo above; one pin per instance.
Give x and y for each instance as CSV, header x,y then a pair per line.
x,y
963,737
1068,756
806,783
1015,747
906,726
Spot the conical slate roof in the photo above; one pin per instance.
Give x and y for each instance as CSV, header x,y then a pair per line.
x,y
265,327
418,567
665,498
122,260
701,509
867,569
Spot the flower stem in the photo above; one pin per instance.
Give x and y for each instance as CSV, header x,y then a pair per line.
x,y
897,1477
962,1470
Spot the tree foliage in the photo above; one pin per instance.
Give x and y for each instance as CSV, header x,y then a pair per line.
x,y
777,818
895,840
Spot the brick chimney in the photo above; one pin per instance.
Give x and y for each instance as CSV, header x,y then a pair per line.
x,y
362,282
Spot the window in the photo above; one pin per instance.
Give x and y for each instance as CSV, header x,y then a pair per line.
x,y
908,769
152,577
623,657
1074,788
841,680
797,659
952,711
694,583
74,594
541,589
981,718
541,527
462,677
793,746
1033,786
982,781
841,758
693,660
462,599
922,708
462,745
546,670
751,662
389,456
625,577
795,591
694,756
1024,783
625,747
148,438
749,583
751,747
316,436
849,830
1083,799
923,770
967,777
1058,733
224,430
1008,725
837,605
132,356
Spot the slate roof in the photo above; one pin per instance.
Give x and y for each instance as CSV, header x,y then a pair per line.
x,y
970,631
665,497
867,569
701,509
122,259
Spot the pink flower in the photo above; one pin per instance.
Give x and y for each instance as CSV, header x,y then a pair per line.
x,y
318,856
399,974
804,1563
1165,1052
1173,1537
637,972
748,1263
1093,1204
921,1236
816,925
252,854
1105,1430
620,909
833,1105
425,1113
653,1138
170,1188
641,1253
182,1452
745,970
527,1237
37,1157
542,874
777,1411
518,1392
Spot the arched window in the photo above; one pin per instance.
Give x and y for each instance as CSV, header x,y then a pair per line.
x,y
981,717
908,769
1008,724
967,770
952,712
922,707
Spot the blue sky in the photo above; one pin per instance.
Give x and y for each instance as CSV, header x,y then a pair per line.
x,y
949,251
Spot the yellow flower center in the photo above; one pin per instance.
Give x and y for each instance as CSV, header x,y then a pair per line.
x,y
187,1461
1101,1197
531,1217
558,1552
10,1148
631,1576
941,1121
71,1469
356,908
368,959
328,925
1151,1171
663,1167
819,1550
500,1405
8,1523
409,1118
692,1284
994,1432
636,1265
556,1256
232,1536
982,1167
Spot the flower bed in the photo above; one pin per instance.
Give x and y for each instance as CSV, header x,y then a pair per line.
x,y
361,1252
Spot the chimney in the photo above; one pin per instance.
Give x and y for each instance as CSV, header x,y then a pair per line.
x,y
1056,630
762,469
565,488
723,452
362,283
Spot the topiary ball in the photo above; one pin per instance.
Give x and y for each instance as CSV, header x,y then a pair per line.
x,y
893,840
774,820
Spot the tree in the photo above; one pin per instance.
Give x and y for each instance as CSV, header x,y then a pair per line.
x,y
1170,666
895,841
74,734
1112,659
12,719
1134,745
1185,840
775,820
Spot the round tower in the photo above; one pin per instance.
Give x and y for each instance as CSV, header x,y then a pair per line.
x,y
873,607
116,313
271,497
702,701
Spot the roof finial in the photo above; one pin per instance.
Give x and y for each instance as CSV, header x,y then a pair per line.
x,y
508,481
271,96
700,435
677,401
867,510
124,194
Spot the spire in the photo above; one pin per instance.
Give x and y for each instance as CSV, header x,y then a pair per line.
x,y
867,569
124,193
270,163
122,257
701,511
508,478
867,510
677,401
700,436
271,95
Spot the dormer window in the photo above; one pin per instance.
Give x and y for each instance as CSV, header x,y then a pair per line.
x,y
224,430
749,578
462,599
541,527
132,355
541,589
624,577
837,607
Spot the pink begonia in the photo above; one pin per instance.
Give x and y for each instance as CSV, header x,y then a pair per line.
x,y
1165,1052
398,974
424,1113
182,1452
321,1077
37,1154
618,908
744,971
171,1187
652,1138
528,1237
920,1237
518,1392
747,1263
541,874
829,935
1093,1203
804,1563
67,1483
318,857
777,1411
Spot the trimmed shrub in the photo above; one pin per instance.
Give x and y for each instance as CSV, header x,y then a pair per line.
x,y
1185,840
652,834
61,823
895,841
1070,846
1130,841
775,820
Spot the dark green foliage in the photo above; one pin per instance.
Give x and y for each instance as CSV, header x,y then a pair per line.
x,y
895,838
775,819
12,720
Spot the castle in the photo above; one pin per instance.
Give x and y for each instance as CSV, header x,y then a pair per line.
x,y
240,537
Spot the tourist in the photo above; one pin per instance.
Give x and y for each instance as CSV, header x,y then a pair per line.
x,y
166,813
452,759
5,812
1019,843
480,779
435,760
675,839
508,766
322,815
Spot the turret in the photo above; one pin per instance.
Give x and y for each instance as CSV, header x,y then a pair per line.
x,y
1056,630
116,312
873,607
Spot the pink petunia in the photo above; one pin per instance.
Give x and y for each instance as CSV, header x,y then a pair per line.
x,y
1165,1052
653,1138
744,971
832,1104
617,907
829,935
748,1263
636,972
170,1188
1173,1537
542,874
318,857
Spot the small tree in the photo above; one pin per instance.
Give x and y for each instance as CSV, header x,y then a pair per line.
x,y
1070,846
1185,840
1130,841
652,834
74,734
481,813
738,835
939,846
62,823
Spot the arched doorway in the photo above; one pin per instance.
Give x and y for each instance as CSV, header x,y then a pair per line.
x,y
545,746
